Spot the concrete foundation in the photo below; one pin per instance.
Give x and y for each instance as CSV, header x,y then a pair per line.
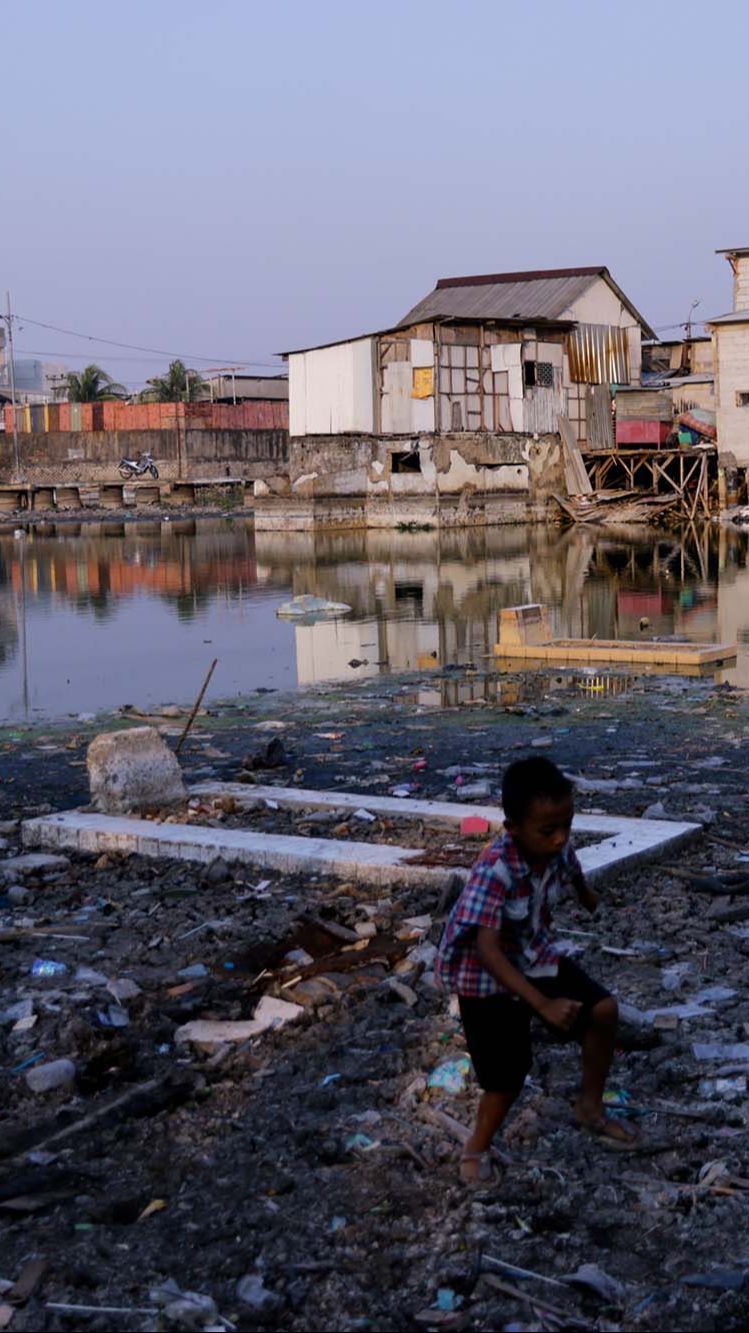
x,y
625,842
438,481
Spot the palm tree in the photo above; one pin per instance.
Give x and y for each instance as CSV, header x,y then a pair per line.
x,y
179,385
92,385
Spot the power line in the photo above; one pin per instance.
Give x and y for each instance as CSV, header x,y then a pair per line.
x,y
135,347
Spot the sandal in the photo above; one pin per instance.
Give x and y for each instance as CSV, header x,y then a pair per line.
x,y
481,1173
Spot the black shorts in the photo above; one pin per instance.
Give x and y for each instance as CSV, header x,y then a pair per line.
x,y
498,1027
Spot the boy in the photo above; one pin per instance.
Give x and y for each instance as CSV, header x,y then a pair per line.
x,y
498,953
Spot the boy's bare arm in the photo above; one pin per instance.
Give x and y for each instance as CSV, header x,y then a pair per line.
x,y
559,1013
587,897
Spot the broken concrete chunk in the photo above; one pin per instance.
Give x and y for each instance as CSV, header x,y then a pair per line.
x,y
31,863
270,1013
133,770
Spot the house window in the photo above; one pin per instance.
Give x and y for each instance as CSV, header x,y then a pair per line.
x,y
538,373
742,399
406,462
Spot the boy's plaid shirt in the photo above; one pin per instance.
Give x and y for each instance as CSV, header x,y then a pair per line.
x,y
503,895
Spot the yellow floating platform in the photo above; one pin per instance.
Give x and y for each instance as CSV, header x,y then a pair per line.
x,y
642,653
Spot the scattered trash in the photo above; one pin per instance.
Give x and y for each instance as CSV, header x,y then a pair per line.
x,y
48,967
724,1089
725,1051
113,1017
450,1076
270,1013
308,609
272,755
360,1143
447,1300
338,1223
123,988
721,1279
365,816
474,826
253,1293
593,1278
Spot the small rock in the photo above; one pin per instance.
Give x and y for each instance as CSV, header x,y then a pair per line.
x,y
17,895
217,872
55,1074
403,992
655,811
366,930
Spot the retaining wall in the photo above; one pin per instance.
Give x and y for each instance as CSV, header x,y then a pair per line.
x,y
93,456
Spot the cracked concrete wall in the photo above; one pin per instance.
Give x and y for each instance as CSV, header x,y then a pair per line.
x,y
509,464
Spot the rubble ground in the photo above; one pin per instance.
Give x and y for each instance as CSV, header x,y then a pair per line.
x,y
306,1177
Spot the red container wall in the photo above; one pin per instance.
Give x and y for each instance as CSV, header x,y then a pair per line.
x,y
634,432
53,416
87,416
64,416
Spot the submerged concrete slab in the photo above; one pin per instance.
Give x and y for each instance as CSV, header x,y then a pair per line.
x,y
624,842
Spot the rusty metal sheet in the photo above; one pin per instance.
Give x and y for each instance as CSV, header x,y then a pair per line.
x,y
598,354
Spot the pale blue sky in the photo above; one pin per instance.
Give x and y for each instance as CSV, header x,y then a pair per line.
x,y
229,178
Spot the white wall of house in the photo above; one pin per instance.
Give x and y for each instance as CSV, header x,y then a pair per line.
x,y
401,412
731,342
331,389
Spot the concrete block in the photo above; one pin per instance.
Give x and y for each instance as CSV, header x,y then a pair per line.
x,y
133,770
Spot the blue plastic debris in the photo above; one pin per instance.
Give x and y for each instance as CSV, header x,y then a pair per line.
x,y
48,967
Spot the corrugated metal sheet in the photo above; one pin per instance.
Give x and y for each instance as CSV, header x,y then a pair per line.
x,y
598,354
525,299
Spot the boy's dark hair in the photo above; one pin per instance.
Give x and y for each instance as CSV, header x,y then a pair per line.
x,y
526,780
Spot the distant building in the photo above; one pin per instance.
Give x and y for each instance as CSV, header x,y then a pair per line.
x,y
35,381
730,335
459,403
231,387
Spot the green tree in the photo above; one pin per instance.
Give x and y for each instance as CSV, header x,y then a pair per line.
x,y
92,385
179,385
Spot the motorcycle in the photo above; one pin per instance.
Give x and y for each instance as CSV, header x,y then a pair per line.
x,y
138,467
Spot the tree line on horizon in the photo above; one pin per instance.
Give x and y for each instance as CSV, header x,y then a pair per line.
x,y
180,384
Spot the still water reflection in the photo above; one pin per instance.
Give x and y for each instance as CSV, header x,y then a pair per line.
x,y
98,615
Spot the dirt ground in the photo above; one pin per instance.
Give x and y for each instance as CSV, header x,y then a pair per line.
x,y
306,1178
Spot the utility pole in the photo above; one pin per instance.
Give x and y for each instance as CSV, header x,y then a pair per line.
x,y
9,322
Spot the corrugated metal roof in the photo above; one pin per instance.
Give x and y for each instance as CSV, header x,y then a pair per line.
x,y
514,297
733,317
536,294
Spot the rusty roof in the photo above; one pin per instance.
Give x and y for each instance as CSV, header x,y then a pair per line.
x,y
537,294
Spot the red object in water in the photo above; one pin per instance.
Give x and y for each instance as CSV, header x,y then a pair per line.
x,y
473,826
420,765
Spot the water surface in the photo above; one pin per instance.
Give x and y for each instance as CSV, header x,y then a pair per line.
x,y
93,616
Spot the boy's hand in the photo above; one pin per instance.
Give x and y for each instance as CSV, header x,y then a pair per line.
x,y
560,1013
588,898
